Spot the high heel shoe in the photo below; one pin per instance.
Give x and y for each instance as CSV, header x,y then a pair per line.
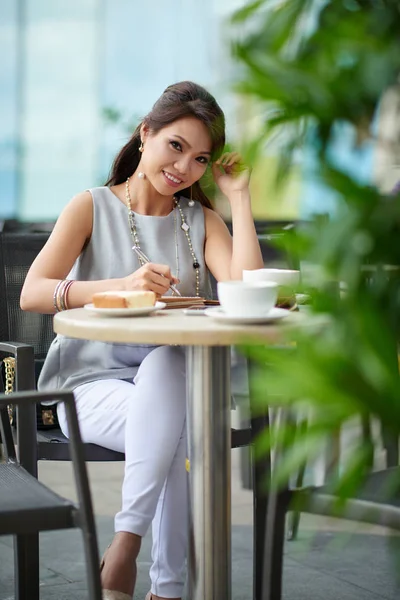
x,y
112,594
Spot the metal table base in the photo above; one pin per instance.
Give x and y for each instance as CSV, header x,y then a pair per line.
x,y
209,433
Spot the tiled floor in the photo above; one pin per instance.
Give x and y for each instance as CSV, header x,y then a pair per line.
x,y
332,559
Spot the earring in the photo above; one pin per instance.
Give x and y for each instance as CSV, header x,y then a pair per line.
x,y
141,175
191,201
141,147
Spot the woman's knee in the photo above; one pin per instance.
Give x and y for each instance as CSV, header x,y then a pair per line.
x,y
161,381
102,408
164,360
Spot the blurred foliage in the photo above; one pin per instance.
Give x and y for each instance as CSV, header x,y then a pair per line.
x,y
114,117
313,66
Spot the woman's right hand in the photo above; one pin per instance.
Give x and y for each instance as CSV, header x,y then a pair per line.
x,y
153,277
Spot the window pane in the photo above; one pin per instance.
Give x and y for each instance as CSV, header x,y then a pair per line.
x,y
60,104
8,108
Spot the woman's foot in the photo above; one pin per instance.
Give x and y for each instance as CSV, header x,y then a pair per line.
x,y
118,567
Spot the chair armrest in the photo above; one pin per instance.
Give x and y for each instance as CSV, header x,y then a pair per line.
x,y
34,397
12,347
31,398
365,511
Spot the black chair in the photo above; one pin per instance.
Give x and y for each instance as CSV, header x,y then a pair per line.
x,y
377,502
17,252
34,333
372,506
28,507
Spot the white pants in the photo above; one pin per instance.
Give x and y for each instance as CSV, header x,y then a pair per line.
x,y
146,419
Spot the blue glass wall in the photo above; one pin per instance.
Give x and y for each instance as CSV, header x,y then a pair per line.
x,y
59,109
9,125
69,67
76,77
147,46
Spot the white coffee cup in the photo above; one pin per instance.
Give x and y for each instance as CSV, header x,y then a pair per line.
x,y
247,299
283,277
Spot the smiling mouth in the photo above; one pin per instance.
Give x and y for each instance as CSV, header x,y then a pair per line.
x,y
172,178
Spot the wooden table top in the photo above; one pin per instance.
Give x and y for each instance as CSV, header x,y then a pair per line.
x,y
169,327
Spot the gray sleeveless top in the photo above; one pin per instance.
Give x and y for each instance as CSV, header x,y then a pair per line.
x,y
71,362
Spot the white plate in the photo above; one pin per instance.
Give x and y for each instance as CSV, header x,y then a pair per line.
x,y
274,314
125,312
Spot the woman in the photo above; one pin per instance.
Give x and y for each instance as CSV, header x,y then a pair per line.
x,y
132,398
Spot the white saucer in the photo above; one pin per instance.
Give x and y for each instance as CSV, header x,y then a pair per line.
x,y
125,312
274,314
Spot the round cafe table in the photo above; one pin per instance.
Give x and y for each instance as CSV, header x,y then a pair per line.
x,y
208,416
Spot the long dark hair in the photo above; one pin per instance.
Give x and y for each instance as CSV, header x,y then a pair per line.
x,y
184,99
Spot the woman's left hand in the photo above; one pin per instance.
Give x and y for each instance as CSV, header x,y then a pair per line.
x,y
230,174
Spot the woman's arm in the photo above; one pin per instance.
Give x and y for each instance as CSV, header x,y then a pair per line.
x,y
227,256
72,230
67,240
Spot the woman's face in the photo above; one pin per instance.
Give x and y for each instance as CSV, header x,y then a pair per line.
x,y
177,156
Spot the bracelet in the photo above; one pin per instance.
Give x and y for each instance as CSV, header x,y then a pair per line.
x,y
56,296
64,297
60,294
60,298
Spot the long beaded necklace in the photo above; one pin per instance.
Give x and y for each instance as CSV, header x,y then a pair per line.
x,y
184,226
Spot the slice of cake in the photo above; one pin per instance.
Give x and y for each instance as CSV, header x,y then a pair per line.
x,y
122,299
